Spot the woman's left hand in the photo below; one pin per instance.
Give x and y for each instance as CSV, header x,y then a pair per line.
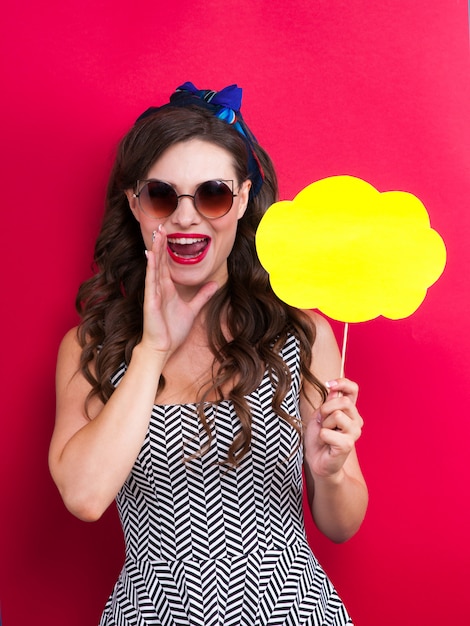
x,y
331,433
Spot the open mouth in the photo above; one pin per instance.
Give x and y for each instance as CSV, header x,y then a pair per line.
x,y
186,249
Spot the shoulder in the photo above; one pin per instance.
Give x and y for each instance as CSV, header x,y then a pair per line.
x,y
322,328
69,348
68,357
70,340
326,356
72,387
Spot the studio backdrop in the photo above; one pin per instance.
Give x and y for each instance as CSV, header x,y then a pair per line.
x,y
379,91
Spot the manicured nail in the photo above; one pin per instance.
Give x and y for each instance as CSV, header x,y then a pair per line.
x,y
146,253
331,383
154,234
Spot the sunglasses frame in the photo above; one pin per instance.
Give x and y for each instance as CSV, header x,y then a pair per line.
x,y
144,183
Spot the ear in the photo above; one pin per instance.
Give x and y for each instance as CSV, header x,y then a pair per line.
x,y
243,195
133,203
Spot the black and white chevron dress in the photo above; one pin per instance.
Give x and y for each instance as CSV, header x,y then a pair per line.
x,y
211,547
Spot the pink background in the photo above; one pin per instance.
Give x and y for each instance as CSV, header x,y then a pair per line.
x,y
375,90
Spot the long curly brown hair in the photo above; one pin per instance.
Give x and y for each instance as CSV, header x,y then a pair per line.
x,y
110,303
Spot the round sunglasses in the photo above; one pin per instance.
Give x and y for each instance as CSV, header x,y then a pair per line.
x,y
212,199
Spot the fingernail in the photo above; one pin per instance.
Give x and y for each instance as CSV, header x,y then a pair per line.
x,y
146,253
154,234
331,383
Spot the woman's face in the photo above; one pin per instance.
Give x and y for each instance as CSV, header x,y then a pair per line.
x,y
185,166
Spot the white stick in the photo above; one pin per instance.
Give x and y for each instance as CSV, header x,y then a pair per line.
x,y
343,352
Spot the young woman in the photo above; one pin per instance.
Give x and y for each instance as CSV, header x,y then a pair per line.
x,y
194,397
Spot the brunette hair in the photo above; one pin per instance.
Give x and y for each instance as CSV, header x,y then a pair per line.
x,y
110,303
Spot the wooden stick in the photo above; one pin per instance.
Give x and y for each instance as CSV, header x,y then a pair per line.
x,y
343,352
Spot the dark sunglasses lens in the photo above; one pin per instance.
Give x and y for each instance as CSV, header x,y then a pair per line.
x,y
213,198
158,199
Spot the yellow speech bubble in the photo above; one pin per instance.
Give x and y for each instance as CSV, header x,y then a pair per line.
x,y
346,249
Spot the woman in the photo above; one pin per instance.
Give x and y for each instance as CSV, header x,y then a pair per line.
x,y
192,395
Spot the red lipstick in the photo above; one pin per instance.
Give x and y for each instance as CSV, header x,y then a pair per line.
x,y
188,248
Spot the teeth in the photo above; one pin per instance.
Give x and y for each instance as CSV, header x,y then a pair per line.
x,y
185,240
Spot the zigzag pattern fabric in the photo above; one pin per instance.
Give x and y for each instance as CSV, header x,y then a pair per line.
x,y
207,546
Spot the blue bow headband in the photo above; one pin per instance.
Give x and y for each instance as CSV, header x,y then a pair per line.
x,y
225,105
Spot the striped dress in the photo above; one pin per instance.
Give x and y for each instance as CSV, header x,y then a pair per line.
x,y
207,546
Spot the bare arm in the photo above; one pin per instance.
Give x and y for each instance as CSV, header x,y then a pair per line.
x,y
91,459
337,493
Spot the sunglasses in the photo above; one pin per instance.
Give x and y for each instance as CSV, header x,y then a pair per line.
x,y
212,199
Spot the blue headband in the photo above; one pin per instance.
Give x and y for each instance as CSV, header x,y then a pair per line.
x,y
225,105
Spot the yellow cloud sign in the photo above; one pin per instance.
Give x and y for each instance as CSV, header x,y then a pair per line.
x,y
350,251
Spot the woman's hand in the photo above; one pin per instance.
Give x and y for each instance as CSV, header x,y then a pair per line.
x,y
330,438
167,317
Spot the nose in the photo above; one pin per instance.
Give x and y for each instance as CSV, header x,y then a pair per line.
x,y
185,213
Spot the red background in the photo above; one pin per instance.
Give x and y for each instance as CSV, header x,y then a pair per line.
x,y
375,90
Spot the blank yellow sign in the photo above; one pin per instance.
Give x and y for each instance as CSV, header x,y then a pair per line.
x,y
346,249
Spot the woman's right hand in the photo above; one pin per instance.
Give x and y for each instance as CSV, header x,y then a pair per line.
x,y
91,459
167,317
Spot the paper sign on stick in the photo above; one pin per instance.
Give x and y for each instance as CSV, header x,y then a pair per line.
x,y
346,249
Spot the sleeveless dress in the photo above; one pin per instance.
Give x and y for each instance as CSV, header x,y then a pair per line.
x,y
207,546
